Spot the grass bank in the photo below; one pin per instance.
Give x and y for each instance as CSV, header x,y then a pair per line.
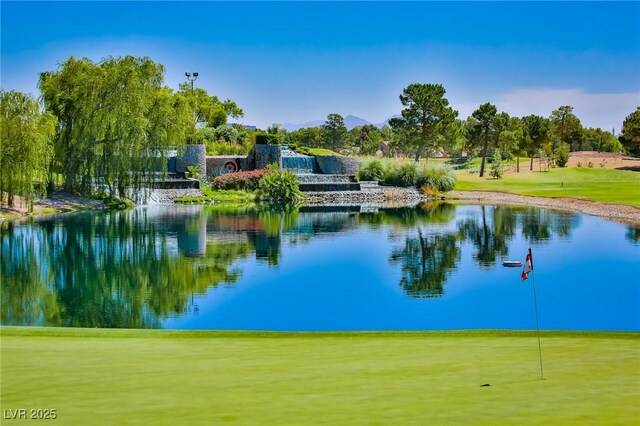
x,y
605,185
164,377
211,195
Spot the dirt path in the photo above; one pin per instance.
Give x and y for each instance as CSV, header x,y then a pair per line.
x,y
616,212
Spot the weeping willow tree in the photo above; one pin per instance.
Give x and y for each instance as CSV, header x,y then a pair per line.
x,y
25,147
115,119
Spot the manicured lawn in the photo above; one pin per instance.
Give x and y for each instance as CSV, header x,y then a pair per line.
x,y
121,377
607,185
219,195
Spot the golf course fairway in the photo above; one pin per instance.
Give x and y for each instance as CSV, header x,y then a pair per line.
x,y
119,377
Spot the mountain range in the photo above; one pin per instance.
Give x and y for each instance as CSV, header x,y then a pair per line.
x,y
350,121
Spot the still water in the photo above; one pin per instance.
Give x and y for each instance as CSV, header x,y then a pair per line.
x,y
430,267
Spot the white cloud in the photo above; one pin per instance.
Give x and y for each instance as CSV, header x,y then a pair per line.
x,y
604,110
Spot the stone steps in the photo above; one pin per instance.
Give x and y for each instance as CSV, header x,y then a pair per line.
x,y
176,184
329,186
320,178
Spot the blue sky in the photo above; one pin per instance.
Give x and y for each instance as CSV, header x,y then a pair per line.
x,y
297,62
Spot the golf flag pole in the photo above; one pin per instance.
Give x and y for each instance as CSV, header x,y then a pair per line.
x,y
526,270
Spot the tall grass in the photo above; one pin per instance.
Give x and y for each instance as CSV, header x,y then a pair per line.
x,y
224,148
407,173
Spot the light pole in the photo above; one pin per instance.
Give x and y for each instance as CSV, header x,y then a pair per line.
x,y
191,76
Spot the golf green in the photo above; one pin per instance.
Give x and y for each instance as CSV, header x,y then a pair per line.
x,y
100,376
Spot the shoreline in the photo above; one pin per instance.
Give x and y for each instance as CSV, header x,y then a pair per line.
x,y
65,203
628,215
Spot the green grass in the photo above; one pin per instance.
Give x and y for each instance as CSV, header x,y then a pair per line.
x,y
94,376
218,195
316,151
607,185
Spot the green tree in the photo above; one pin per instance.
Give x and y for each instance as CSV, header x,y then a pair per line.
x,y
485,132
114,120
366,139
631,132
425,118
226,134
535,134
307,136
601,140
208,110
511,138
566,128
26,147
334,132
561,155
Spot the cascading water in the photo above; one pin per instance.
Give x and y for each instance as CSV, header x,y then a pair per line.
x,y
309,175
299,163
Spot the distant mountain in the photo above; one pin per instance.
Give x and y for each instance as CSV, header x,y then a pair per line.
x,y
351,121
386,122
290,127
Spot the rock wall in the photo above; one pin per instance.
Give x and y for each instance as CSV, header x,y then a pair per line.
x,y
337,165
267,154
216,163
193,155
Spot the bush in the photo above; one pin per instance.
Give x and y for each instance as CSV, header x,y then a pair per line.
x,y
371,171
226,133
441,178
496,168
279,185
223,148
561,156
248,181
404,175
111,202
194,172
266,138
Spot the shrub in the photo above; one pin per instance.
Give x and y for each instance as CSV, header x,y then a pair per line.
x,y
441,178
496,168
266,138
404,175
279,185
371,171
248,181
194,172
561,156
111,202
223,148
226,133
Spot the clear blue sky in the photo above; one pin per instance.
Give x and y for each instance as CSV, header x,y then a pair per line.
x,y
296,62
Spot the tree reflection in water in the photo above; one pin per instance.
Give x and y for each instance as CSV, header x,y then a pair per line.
x,y
137,268
431,253
118,269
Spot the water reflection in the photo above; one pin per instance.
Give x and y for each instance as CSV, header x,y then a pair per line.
x,y
633,234
138,268
426,262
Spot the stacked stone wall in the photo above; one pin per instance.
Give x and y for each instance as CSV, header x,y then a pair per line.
x,y
338,165
193,155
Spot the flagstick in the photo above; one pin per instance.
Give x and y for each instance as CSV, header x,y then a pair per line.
x,y
535,303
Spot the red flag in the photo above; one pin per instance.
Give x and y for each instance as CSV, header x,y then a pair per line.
x,y
528,266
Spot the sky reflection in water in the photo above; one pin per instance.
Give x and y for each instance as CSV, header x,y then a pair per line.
x,y
436,266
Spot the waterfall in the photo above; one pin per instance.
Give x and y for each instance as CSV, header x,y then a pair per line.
x,y
299,163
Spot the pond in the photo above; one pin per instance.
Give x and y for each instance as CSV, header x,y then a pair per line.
x,y
429,267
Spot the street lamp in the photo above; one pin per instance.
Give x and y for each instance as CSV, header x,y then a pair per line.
x,y
191,76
